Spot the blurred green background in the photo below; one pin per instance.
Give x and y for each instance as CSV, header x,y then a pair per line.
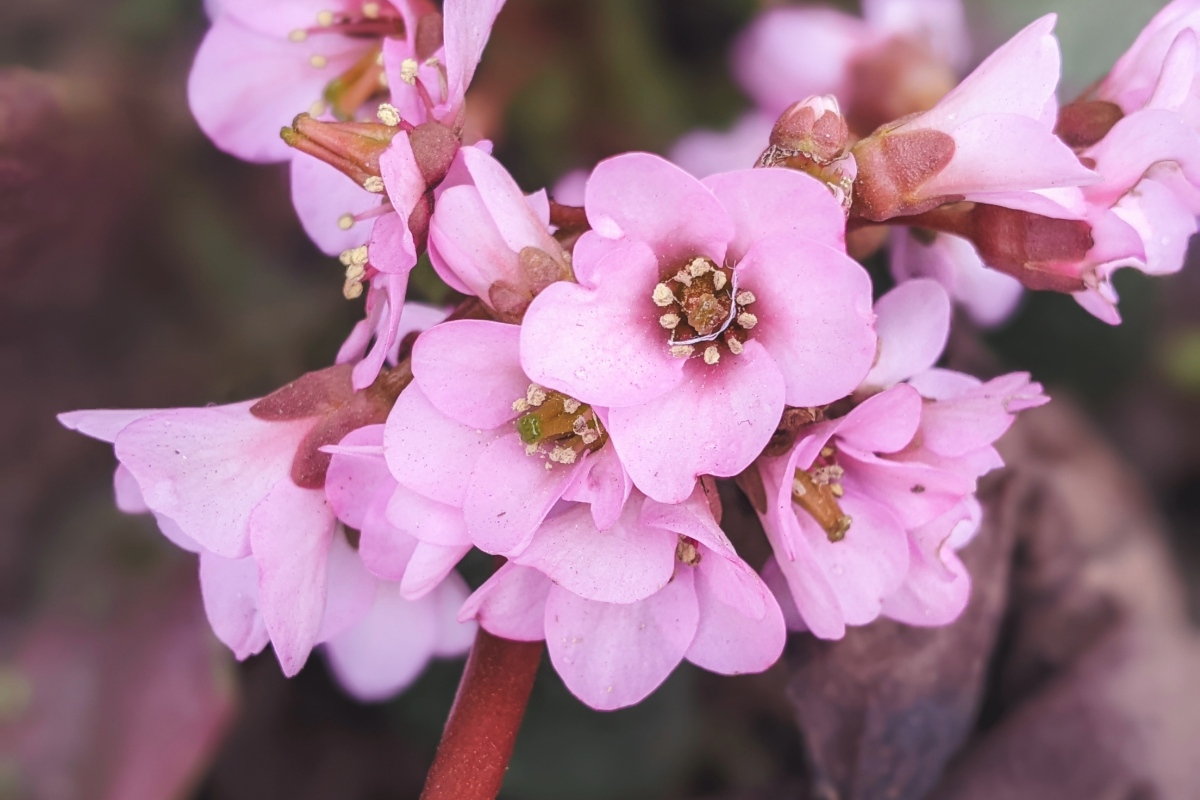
x,y
141,267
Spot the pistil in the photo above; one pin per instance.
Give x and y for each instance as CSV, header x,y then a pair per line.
x,y
817,490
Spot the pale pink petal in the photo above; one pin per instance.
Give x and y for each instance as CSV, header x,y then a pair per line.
x,y
207,468
470,370
244,86
387,649
628,562
230,590
727,640
385,548
323,198
773,577
291,531
602,345
646,198
883,423
940,25
927,597
465,247
788,54
814,316
468,23
353,482
810,589
175,535
281,17
715,422
350,588
1164,224
989,297
126,493
1138,142
913,492
430,566
704,152
387,335
408,102
454,638
427,451
912,322
511,492
516,217
613,655
104,423
763,202
511,604
604,484
405,187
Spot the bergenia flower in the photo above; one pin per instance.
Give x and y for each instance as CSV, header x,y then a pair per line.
x,y
474,434
989,297
990,140
620,609
702,308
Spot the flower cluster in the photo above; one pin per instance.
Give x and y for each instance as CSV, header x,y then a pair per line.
x,y
611,364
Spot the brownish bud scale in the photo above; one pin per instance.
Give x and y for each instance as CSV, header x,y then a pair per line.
x,y
434,147
893,166
892,81
352,147
811,136
1083,123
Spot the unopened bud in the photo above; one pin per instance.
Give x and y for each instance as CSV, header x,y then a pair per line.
x,y
812,137
352,147
893,167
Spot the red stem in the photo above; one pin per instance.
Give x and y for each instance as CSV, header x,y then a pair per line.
x,y
482,729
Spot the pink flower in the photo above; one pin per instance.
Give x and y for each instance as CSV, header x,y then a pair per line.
x,y
619,609
937,586
989,297
1134,79
701,310
901,58
473,436
991,140
487,239
705,152
388,323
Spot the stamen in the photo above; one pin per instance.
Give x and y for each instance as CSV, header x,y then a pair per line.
x,y
747,320
734,345
669,321
564,425
408,71
663,296
687,552
682,350
562,455
746,298
370,10
298,35
817,491
711,355
520,405
388,114
374,184
535,395
571,405
684,277
346,221
700,266
719,280
319,61
317,108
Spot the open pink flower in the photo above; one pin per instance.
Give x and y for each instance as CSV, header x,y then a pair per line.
x,y
472,433
990,140
486,238
620,609
702,308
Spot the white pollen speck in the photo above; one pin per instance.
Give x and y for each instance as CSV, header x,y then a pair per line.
x,y
408,71
669,321
374,184
663,296
346,221
579,426
682,350
735,346
531,449
549,466
388,114
562,455
319,61
571,405
298,35
711,354
325,18
370,10
589,436
719,280
352,289
747,320
746,298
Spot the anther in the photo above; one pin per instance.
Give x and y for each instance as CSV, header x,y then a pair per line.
x,y
746,298
319,61
682,350
562,455
699,266
735,346
370,10
325,19
684,277
669,321
346,221
298,35
711,355
520,405
388,114
571,405
535,395
317,108
663,296
719,280
687,552
408,71
747,320
374,184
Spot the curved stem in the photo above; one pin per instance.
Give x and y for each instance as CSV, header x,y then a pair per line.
x,y
482,729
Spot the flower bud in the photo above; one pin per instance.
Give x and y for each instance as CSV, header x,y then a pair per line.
x,y
811,136
352,147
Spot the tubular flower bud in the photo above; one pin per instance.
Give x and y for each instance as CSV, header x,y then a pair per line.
x,y
811,136
352,147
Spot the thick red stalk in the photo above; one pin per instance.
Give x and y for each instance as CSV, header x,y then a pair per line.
x,y
478,740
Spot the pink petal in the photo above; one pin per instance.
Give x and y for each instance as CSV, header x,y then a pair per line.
x,y
989,297
648,199
322,196
1163,222
454,638
470,370
230,591
468,23
510,493
763,202
352,482
245,86
126,493
927,598
715,422
291,532
602,345
626,563
280,17
393,288
1136,143
405,187
940,25
388,649
514,217
103,423
727,640
430,567
613,655
207,468
814,310
912,322
350,588
604,484
810,589
427,451
465,247
511,604
883,423
913,492
385,548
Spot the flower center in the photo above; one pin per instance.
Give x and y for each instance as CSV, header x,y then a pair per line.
x,y
557,427
703,310
687,551
817,489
